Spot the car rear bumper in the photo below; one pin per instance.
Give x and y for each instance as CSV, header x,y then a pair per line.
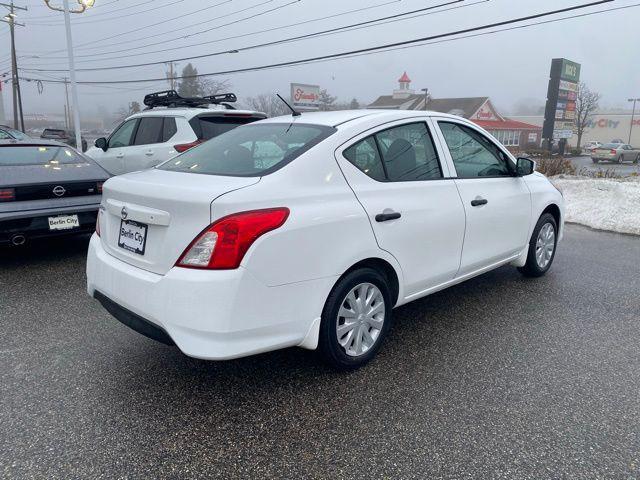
x,y
35,224
214,315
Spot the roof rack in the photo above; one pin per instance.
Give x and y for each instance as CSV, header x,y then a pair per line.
x,y
171,99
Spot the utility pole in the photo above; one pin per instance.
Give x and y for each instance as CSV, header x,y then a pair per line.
x,y
10,18
633,115
171,75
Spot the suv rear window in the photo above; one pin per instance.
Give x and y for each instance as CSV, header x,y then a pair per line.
x,y
38,155
208,127
250,151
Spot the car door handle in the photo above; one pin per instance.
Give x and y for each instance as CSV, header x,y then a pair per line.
x,y
479,201
120,155
385,217
149,152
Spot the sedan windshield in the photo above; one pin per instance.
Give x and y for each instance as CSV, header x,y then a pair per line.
x,y
251,150
38,155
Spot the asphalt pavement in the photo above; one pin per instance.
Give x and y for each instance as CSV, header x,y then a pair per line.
x,y
499,377
623,169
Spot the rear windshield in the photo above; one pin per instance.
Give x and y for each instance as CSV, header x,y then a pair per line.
x,y
207,128
38,155
610,145
251,150
53,133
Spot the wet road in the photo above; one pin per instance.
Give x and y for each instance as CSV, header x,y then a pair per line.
x,y
500,377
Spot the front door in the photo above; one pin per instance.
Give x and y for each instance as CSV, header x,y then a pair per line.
x,y
497,203
113,159
415,212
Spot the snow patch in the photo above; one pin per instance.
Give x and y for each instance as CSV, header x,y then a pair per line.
x,y
605,204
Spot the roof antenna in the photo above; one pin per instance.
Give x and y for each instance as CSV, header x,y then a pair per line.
x,y
294,112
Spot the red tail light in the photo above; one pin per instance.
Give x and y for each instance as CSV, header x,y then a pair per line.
x,y
223,244
183,147
612,152
7,194
99,187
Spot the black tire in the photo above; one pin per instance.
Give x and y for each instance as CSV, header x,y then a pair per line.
x,y
594,160
329,348
619,159
637,159
531,268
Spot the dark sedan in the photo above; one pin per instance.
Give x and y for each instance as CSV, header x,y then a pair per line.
x,y
46,189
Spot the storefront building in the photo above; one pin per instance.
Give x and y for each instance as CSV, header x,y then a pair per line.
x,y
514,134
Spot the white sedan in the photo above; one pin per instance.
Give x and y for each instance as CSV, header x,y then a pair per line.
x,y
307,231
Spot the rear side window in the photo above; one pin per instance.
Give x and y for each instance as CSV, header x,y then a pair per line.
x,y
208,127
366,157
250,151
399,154
169,128
149,131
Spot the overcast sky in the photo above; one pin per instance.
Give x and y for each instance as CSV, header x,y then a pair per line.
x,y
509,66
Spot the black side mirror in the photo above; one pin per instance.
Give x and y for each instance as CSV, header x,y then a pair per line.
x,y
101,143
525,166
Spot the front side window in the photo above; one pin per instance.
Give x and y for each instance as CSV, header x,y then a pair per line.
x,y
149,131
473,154
123,135
250,150
4,135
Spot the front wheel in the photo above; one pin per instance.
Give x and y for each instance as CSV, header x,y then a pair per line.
x,y
637,159
355,319
542,247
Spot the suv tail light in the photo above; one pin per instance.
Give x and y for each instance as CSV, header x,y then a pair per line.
x,y
98,222
183,147
7,194
223,244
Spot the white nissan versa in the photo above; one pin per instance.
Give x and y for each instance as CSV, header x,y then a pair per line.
x,y
308,230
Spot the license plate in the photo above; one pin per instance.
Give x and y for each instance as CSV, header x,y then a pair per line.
x,y
64,222
132,236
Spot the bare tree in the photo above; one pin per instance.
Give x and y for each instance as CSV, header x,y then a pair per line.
x,y
586,105
213,87
267,103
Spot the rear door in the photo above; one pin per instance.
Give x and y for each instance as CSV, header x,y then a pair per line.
x,y
144,150
414,208
496,202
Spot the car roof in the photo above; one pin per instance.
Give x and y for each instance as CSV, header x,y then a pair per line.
x,y
340,117
189,113
35,142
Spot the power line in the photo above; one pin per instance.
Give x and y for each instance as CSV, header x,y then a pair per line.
x,y
92,18
367,23
313,20
392,46
92,43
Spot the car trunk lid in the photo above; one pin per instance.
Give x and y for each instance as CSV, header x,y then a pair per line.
x,y
161,213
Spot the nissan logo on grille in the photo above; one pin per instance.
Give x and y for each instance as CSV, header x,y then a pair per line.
x,y
58,190
123,213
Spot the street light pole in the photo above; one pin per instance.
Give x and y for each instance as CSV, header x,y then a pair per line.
x,y
72,74
15,80
84,4
633,114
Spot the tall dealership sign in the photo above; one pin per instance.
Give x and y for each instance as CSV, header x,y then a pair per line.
x,y
562,94
305,97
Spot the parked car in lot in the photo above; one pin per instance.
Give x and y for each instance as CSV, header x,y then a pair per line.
x,y
307,231
63,136
8,133
615,152
153,136
46,189
589,146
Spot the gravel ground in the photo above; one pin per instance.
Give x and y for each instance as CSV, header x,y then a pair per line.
x,y
500,377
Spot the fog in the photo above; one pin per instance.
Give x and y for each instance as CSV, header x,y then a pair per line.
x,y
511,67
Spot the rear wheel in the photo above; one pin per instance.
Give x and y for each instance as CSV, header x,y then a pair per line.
x,y
594,160
542,247
355,319
637,158
619,159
